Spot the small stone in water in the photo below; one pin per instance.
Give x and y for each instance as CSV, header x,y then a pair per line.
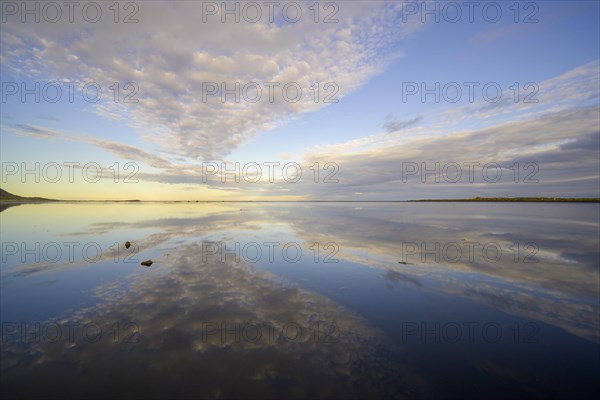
x,y
146,263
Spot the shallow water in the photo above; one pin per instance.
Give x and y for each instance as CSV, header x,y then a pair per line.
x,y
353,300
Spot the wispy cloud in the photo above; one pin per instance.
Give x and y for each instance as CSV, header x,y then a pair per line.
x,y
394,125
122,150
486,38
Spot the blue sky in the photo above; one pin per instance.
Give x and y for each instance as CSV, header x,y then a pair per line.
x,y
371,134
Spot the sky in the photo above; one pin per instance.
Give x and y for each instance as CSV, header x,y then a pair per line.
x,y
343,100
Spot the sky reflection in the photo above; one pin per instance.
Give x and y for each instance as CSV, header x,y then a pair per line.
x,y
346,313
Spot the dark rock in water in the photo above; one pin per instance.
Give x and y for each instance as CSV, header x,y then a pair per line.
x,y
127,244
146,263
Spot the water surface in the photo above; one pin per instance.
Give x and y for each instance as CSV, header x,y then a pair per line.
x,y
244,300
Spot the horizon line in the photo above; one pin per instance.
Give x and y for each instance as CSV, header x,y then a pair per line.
x,y
482,199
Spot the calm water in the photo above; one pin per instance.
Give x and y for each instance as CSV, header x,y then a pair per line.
x,y
425,300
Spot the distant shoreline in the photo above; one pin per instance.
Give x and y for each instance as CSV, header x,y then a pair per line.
x,y
518,200
475,200
9,198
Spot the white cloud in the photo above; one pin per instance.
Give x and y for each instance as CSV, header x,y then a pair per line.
x,y
171,52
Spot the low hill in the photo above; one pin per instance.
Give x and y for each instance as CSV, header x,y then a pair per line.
x,y
9,197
